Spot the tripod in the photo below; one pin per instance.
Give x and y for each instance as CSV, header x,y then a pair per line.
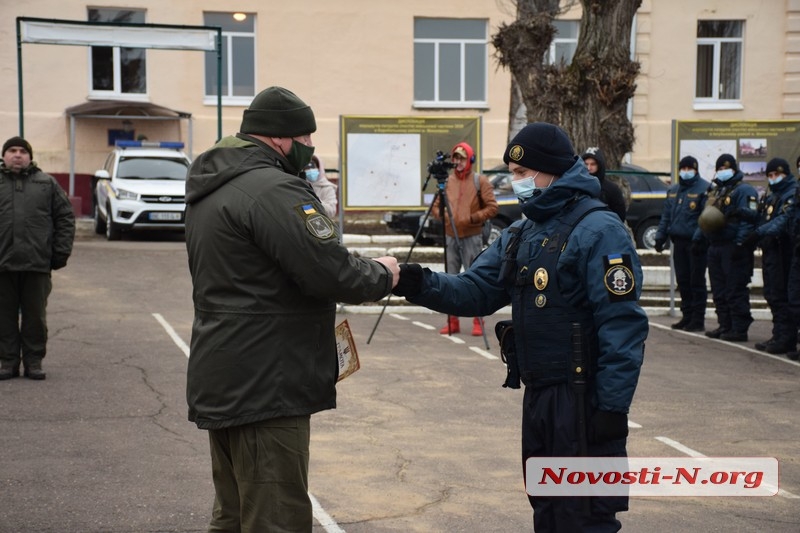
x,y
444,204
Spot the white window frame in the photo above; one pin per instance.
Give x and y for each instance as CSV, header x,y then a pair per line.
x,y
117,93
461,103
551,56
229,99
715,102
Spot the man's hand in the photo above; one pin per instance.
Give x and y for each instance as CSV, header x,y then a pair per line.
x,y
660,245
391,264
740,251
411,277
751,240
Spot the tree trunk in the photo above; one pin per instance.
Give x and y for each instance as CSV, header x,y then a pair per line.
x,y
589,97
522,47
601,79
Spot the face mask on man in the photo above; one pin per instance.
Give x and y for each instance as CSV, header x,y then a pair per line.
x,y
776,179
299,155
312,174
725,174
526,187
687,174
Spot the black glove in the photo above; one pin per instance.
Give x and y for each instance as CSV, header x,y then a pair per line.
x,y
698,248
660,245
751,240
55,264
606,426
740,251
410,283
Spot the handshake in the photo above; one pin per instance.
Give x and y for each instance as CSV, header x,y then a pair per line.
x,y
410,283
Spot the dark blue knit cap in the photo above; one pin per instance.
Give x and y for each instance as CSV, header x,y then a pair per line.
x,y
541,146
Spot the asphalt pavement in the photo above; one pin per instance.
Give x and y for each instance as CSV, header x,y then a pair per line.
x,y
424,438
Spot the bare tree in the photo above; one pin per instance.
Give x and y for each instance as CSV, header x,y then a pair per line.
x,y
588,97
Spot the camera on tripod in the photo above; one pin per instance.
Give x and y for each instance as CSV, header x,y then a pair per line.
x,y
440,166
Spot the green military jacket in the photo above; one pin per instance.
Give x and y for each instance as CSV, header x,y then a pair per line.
x,y
267,270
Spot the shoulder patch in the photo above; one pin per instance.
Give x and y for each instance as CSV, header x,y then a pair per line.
x,y
316,223
618,278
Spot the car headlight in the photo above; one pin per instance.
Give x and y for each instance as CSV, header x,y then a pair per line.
x,y
122,194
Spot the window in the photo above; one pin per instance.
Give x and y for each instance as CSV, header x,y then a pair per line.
x,y
564,42
450,62
719,62
114,71
238,58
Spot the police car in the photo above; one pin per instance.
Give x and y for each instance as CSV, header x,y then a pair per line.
x,y
141,186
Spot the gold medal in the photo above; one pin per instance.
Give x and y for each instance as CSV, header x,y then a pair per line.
x,y
540,278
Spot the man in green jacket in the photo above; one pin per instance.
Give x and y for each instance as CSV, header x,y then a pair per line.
x,y
267,270
37,228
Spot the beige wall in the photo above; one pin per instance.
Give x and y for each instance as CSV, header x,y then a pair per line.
x,y
356,57
345,57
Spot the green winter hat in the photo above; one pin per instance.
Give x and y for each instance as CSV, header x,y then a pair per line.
x,y
278,112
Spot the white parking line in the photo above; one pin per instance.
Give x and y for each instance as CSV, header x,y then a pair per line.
x,y
453,338
634,425
780,358
171,332
423,325
694,453
324,519
484,353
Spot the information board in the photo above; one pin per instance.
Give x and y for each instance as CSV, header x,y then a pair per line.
x,y
384,160
752,143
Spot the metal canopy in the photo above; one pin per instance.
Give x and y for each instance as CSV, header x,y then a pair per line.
x,y
116,109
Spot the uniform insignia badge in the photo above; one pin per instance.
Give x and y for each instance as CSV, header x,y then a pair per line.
x,y
516,152
540,278
692,205
317,224
618,279
541,300
752,203
728,200
769,210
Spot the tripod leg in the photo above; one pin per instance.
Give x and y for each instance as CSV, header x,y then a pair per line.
x,y
408,256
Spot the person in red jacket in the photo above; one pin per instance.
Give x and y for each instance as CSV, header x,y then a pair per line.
x,y
472,202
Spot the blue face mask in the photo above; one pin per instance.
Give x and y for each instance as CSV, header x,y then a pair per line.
x,y
687,174
312,174
724,175
776,180
526,187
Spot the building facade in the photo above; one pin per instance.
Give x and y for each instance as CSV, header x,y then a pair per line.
x,y
700,60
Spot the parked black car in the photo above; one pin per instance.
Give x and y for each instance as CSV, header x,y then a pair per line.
x,y
648,193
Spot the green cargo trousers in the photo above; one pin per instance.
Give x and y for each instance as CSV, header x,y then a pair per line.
x,y
25,294
260,474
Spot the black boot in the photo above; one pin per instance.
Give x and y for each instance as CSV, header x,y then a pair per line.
x,y
781,346
8,371
762,346
716,333
794,355
34,371
695,325
734,336
680,324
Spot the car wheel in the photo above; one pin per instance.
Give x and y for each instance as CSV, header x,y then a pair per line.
x,y
646,234
113,233
99,223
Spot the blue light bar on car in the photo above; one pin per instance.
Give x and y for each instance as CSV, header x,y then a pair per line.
x,y
149,144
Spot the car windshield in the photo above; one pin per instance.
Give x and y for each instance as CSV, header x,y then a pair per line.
x,y
150,168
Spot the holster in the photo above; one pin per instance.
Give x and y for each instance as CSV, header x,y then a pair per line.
x,y
504,330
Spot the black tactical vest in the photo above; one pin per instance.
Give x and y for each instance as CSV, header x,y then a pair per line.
x,y
545,323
